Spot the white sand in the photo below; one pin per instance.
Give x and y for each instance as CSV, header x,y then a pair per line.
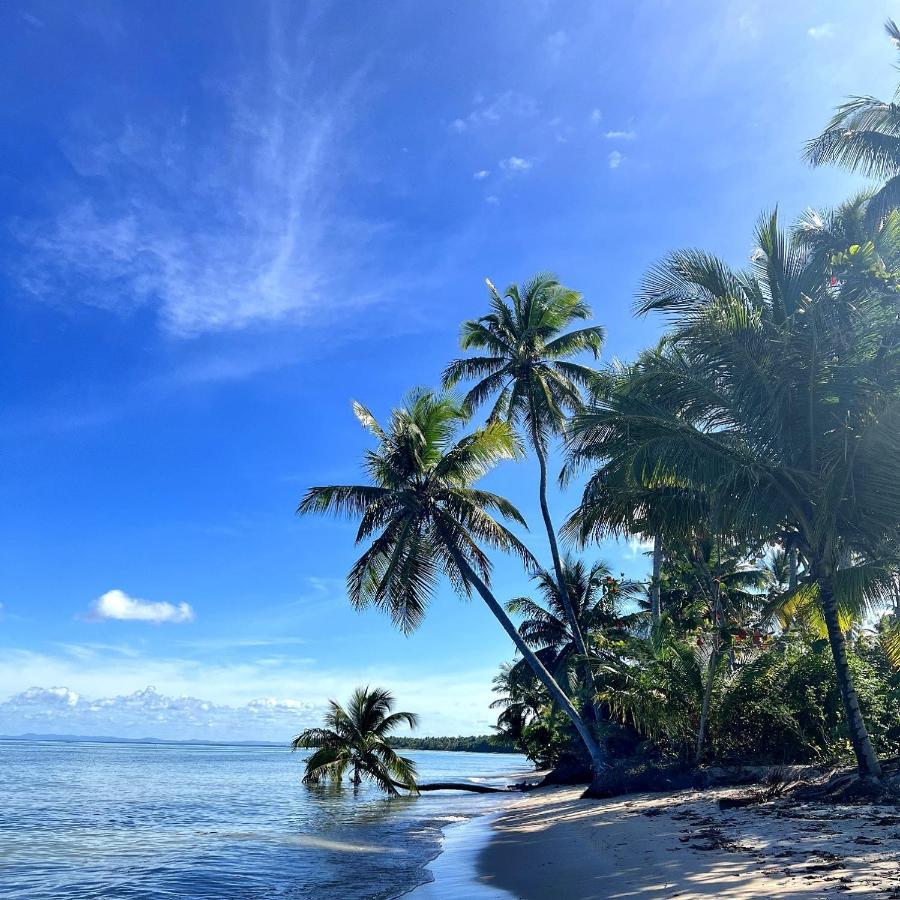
x,y
554,845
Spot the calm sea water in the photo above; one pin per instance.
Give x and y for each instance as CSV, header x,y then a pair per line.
x,y
82,820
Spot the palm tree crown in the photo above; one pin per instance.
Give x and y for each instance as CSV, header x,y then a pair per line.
x,y
356,738
864,136
528,366
596,598
420,511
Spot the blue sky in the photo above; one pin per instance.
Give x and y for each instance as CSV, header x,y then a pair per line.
x,y
222,222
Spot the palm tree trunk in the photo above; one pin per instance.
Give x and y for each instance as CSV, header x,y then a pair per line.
x,y
792,569
655,608
710,673
549,682
866,759
577,635
707,701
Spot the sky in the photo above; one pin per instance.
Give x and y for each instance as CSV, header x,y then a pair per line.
x,y
220,223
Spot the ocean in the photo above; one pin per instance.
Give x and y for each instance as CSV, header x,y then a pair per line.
x,y
104,820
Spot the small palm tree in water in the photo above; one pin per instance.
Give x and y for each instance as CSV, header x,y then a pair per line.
x,y
356,739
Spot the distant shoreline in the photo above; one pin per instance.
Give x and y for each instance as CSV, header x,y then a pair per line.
x,y
441,744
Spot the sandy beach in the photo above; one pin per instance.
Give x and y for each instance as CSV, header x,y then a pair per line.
x,y
552,845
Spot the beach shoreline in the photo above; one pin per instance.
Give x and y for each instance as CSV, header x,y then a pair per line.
x,y
550,844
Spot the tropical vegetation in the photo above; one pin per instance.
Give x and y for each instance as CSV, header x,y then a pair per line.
x,y
754,452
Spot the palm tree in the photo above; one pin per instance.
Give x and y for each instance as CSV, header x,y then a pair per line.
x,y
595,596
356,738
530,374
423,518
864,136
781,399
616,504
520,700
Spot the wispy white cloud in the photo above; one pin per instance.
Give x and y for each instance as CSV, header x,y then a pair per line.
x,y
116,604
820,32
748,23
489,110
596,116
556,44
220,225
620,135
481,174
615,159
515,164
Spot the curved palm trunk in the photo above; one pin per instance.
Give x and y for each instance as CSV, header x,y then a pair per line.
x,y
549,682
655,608
866,759
563,588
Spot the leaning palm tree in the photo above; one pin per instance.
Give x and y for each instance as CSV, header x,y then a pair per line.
x,y
781,400
531,376
356,739
423,518
864,136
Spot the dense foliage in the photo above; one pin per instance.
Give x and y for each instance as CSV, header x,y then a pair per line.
x,y
479,743
757,447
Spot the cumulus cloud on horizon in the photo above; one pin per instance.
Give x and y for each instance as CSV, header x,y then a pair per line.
x,y
149,713
116,604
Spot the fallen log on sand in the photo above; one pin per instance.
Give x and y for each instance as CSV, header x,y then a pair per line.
x,y
457,786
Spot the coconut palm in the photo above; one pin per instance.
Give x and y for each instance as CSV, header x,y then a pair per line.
x,y
596,597
781,399
864,136
531,377
356,739
520,700
616,504
422,518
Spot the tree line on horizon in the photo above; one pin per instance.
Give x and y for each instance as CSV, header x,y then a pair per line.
x,y
756,448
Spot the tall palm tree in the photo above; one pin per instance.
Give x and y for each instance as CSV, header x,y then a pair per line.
x,y
531,376
864,136
356,738
782,400
423,518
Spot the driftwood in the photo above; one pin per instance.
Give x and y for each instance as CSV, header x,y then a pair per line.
x,y
461,786
456,786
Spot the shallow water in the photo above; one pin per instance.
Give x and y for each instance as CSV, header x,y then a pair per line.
x,y
82,820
